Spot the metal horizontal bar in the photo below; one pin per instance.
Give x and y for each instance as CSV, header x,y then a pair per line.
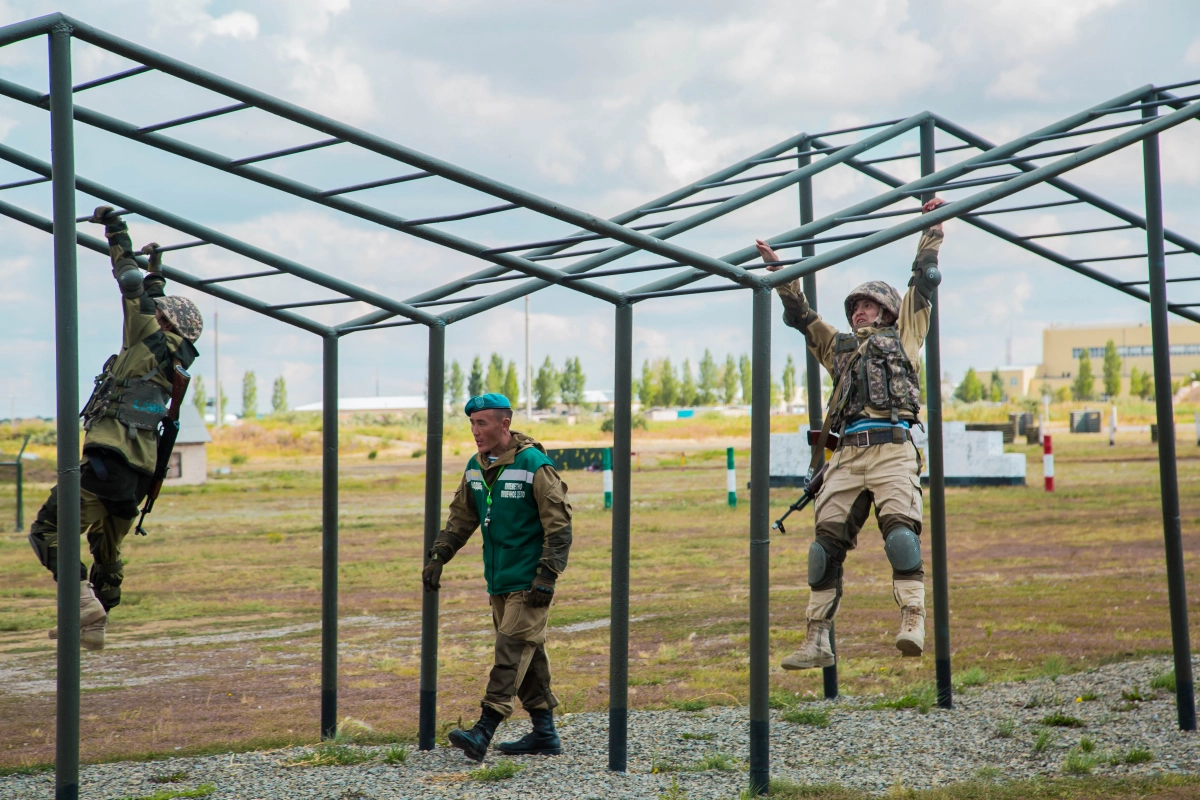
x,y
184,246
1152,104
464,215
1169,280
120,212
1031,157
116,76
1169,87
303,148
554,256
1125,258
332,301
26,182
216,112
914,155
246,276
823,239
748,179
358,187
857,128
676,292
880,215
375,326
1024,208
949,187
1183,305
445,302
1083,131
710,202
1081,230
816,151
569,240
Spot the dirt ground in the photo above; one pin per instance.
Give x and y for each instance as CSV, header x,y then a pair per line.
x,y
216,645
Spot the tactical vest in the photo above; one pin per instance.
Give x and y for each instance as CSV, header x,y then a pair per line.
x,y
512,530
138,403
879,377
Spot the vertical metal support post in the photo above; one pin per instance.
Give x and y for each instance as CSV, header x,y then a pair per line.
x,y
66,343
760,532
427,724
1185,701
329,536
21,485
812,372
937,478
618,648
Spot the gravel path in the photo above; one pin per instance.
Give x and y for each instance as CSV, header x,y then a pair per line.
x,y
861,747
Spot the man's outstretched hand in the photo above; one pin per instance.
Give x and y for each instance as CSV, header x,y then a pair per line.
x,y
768,254
930,206
101,213
154,256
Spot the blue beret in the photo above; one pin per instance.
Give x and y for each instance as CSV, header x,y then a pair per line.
x,y
489,400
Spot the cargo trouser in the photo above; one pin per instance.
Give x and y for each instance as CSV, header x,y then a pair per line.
x,y
104,532
521,667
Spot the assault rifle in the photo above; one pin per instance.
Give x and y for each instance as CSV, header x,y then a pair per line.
x,y
812,483
166,441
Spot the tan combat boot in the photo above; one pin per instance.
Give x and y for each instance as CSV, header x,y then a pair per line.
x,y
816,650
910,596
92,619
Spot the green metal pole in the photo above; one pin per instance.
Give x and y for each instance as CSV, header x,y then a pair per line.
x,y
730,478
606,464
66,336
427,724
1185,701
618,648
937,479
329,536
760,532
812,374
21,486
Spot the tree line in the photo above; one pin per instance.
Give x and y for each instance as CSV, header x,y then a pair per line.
x,y
279,396
713,384
1083,386
550,385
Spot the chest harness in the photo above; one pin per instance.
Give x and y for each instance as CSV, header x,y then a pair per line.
x,y
874,373
137,403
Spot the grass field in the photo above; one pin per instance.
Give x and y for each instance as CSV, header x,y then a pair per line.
x,y
216,644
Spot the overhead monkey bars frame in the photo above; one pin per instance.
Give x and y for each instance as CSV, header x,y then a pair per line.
x,y
627,240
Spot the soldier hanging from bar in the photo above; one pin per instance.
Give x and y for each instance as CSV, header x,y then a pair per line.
x,y
874,404
121,421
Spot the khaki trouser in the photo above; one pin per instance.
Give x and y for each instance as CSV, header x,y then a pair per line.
x,y
887,476
521,668
104,536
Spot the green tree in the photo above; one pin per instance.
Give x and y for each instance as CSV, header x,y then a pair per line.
x,y
199,395
923,382
475,382
224,402
1135,382
454,385
572,382
1112,370
545,385
747,386
729,380
249,396
279,400
687,386
710,380
1084,385
789,380
495,374
971,388
511,387
648,387
996,387
668,385
1143,386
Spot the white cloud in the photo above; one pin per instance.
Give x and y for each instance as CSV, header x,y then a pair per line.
x,y
1192,56
1019,83
236,24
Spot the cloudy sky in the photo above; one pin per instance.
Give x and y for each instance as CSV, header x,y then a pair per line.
x,y
601,106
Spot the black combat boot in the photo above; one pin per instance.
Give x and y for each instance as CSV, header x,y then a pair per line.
x,y
474,743
541,741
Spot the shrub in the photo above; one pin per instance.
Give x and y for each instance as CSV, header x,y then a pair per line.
x,y
501,770
808,716
1061,720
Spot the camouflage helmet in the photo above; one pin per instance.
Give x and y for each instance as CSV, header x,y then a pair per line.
x,y
883,294
183,314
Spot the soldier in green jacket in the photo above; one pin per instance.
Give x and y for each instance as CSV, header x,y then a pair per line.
x,y
121,419
511,490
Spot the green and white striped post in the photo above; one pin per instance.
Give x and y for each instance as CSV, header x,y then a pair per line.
x,y
730,478
608,480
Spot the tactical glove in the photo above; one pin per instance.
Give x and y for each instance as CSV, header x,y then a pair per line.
x,y
101,215
542,591
431,576
153,257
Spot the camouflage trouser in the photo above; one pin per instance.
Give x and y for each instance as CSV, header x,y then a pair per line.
x,y
521,667
887,476
105,533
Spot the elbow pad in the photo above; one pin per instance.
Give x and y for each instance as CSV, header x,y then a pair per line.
x,y
129,277
154,284
925,274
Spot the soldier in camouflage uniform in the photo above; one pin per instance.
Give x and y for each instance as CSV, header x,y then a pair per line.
x,y
120,446
876,400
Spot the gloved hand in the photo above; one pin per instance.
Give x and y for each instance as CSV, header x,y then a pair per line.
x,y
153,256
431,576
100,214
542,591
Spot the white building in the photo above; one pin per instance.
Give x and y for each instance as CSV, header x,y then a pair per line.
x,y
189,459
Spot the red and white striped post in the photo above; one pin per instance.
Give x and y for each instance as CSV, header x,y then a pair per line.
x,y
1048,463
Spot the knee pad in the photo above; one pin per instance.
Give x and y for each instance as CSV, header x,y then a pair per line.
x,y
824,569
903,548
47,555
106,581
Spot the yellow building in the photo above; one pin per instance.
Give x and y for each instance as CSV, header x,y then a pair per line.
x,y
1062,346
